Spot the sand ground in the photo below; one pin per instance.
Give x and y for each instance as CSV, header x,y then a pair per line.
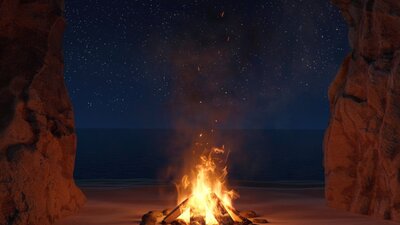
x,y
125,204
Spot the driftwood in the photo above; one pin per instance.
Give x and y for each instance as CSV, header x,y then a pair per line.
x,y
174,214
222,216
225,215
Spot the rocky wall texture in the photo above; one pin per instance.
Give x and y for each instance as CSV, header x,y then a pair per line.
x,y
362,142
37,135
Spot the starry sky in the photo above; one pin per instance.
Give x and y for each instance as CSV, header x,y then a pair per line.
x,y
191,63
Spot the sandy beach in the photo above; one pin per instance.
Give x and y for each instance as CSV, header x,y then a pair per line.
x,y
124,204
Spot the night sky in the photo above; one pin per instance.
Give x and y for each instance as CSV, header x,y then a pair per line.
x,y
235,64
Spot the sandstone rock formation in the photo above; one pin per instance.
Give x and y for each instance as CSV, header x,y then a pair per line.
x,y
37,137
362,142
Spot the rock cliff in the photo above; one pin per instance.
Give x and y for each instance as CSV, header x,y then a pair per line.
x,y
362,142
37,136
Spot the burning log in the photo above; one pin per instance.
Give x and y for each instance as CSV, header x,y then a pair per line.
x,y
239,219
174,214
209,202
197,218
178,222
222,215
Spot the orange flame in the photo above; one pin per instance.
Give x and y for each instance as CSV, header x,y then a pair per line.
x,y
207,179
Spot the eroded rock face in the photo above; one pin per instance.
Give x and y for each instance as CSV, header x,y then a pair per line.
x,y
362,142
37,136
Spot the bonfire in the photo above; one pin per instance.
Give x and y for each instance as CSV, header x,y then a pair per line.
x,y
203,196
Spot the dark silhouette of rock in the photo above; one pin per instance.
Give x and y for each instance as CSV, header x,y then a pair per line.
x,y
37,135
362,142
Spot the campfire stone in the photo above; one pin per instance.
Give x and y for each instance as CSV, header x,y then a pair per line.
x,y
157,214
166,212
248,214
152,218
259,220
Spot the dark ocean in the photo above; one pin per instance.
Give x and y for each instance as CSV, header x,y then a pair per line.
x,y
256,155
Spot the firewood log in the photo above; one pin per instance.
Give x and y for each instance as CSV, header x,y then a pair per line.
x,y
174,214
